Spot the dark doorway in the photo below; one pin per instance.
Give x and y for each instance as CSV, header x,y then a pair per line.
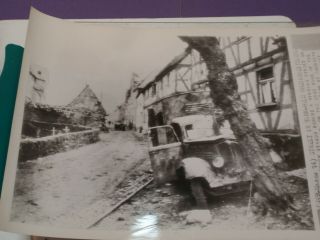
x,y
151,118
160,120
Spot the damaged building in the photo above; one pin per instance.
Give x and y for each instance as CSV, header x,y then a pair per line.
x,y
48,129
177,90
265,83
84,112
262,69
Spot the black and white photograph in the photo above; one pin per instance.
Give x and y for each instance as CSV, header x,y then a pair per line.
x,y
151,130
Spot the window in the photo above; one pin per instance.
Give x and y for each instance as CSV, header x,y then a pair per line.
x,y
162,136
189,127
146,93
266,87
153,89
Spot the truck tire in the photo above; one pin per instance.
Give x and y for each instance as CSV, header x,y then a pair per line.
x,y
198,193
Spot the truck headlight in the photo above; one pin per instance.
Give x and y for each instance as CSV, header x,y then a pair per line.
x,y
218,162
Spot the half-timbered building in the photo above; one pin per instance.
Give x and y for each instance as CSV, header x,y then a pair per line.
x,y
262,69
178,89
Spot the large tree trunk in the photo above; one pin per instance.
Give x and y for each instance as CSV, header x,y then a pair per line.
x,y
224,93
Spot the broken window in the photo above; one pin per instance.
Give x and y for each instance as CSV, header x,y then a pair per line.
x,y
151,118
266,87
189,127
162,136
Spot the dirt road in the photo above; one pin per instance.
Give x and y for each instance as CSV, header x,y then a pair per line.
x,y
165,207
79,184
50,189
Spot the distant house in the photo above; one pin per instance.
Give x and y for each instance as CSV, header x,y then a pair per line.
x,y
89,108
84,112
130,111
87,99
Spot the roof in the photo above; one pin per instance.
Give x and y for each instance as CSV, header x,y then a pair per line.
x,y
157,75
149,78
87,99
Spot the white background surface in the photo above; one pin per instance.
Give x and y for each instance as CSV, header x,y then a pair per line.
x,y
12,236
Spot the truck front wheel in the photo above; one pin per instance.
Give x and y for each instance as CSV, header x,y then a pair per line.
x,y
198,193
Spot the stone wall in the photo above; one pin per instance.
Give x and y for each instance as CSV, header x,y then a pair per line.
x,y
40,147
34,129
39,119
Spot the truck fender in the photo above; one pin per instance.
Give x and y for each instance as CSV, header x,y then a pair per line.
x,y
197,168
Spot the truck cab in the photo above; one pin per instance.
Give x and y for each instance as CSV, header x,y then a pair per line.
x,y
193,145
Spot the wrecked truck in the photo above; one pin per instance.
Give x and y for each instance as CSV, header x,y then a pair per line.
x,y
190,148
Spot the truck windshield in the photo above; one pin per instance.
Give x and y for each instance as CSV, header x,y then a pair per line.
x,y
162,136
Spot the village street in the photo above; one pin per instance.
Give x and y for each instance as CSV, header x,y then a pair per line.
x,y
53,188
77,187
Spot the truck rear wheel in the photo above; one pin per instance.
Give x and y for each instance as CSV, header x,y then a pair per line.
x,y
198,193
